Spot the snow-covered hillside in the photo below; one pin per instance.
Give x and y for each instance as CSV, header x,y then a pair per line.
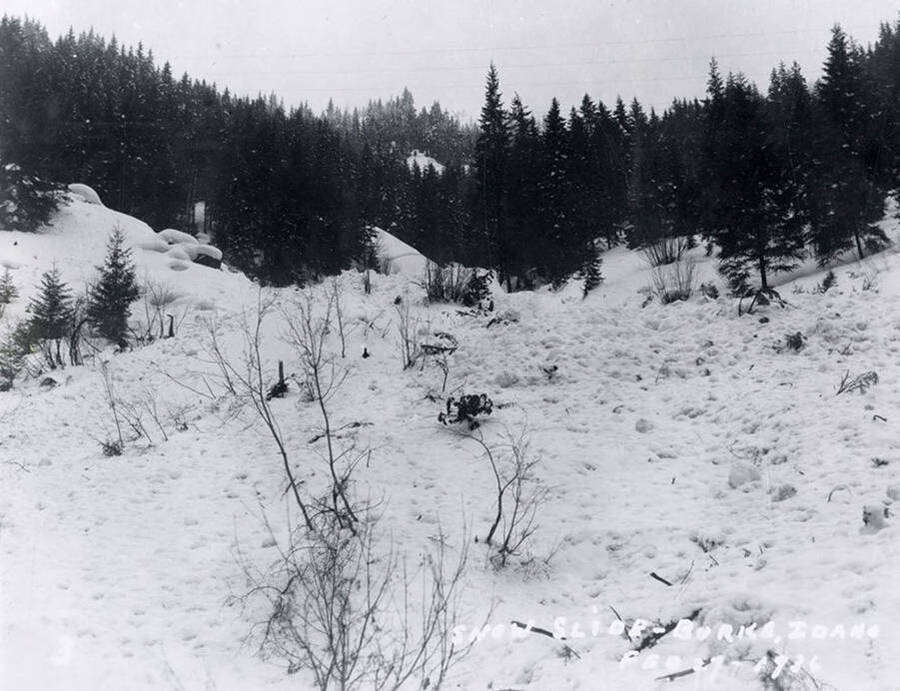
x,y
695,466
423,161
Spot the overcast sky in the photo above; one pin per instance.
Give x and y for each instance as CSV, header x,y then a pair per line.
x,y
356,50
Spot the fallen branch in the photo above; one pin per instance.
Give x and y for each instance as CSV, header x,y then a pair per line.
x,y
655,635
536,629
659,578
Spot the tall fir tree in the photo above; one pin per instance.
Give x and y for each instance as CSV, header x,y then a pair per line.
x,y
490,172
109,305
846,201
753,234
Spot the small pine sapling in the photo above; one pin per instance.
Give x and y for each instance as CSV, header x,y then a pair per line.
x,y
8,290
110,300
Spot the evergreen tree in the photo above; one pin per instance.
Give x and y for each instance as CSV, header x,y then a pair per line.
x,y
561,248
110,300
524,171
846,201
750,226
12,359
51,312
490,171
8,290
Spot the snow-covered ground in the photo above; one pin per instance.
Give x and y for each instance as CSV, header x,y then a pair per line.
x,y
423,161
119,573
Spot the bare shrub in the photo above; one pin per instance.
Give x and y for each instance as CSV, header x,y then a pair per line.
x,y
665,251
354,617
307,332
859,383
408,329
519,493
673,281
156,298
337,301
248,380
112,403
446,283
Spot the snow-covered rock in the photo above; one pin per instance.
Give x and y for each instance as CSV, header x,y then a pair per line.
x,y
155,244
177,237
85,193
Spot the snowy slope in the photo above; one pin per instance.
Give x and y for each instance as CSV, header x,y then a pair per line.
x,y
423,161
117,573
397,256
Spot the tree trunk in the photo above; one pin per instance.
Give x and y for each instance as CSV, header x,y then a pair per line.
x,y
859,249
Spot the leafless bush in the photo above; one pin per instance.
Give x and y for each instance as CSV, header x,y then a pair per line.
x,y
446,283
157,298
665,251
112,402
357,618
519,494
337,300
673,281
408,328
859,383
307,332
248,380
216,356
144,407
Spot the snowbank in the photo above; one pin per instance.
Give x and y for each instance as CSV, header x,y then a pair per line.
x,y
177,237
398,257
85,193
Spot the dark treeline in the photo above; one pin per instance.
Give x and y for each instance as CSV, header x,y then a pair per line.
x,y
763,178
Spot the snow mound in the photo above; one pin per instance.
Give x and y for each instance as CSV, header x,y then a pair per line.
x,y
423,161
75,242
176,237
86,193
397,257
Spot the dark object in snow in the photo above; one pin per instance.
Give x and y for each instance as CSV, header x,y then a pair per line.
x,y
366,353
794,341
398,300
659,578
280,388
763,320
48,383
208,260
467,409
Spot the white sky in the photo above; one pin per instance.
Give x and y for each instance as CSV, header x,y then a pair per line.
x,y
354,50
